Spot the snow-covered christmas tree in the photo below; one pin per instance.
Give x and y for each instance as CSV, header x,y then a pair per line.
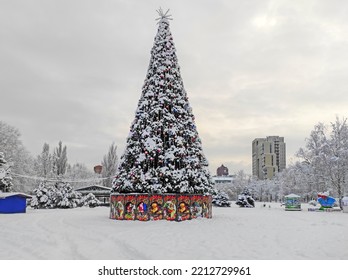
x,y
5,175
163,151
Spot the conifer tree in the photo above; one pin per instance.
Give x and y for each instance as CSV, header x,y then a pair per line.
x,y
163,151
44,196
245,199
56,195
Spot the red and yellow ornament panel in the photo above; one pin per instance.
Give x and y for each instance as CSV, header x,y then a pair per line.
x,y
170,207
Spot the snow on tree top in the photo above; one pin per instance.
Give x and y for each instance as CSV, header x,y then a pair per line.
x,y
150,144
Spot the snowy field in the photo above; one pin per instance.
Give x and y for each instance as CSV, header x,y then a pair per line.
x,y
260,233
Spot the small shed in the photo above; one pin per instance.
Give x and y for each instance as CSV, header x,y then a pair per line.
x,y
345,204
13,202
292,202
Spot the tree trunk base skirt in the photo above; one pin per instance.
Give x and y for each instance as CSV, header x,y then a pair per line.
x,y
152,207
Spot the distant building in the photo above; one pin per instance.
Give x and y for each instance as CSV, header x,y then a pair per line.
x,y
223,179
222,171
222,176
268,156
101,193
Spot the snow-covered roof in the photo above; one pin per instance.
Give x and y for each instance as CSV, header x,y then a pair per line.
x,y
222,179
9,194
93,187
292,195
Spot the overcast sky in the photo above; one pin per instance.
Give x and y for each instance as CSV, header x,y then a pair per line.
x,y
73,71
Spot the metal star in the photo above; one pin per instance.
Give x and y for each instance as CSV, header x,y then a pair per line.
x,y
163,15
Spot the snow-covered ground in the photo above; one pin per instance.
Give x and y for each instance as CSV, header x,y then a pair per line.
x,y
260,233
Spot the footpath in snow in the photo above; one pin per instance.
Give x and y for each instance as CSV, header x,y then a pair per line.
x,y
260,233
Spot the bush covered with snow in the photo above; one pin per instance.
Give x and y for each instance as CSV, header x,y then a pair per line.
x,y
245,199
43,196
60,195
220,199
90,200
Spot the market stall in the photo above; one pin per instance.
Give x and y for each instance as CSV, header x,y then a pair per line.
x,y
292,202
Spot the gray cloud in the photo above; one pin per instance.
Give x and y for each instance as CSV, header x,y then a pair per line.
x,y
73,71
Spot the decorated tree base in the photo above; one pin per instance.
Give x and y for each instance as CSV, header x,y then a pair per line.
x,y
170,207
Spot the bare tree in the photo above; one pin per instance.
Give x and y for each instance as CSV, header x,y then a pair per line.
x,y
327,154
109,164
44,162
17,156
60,159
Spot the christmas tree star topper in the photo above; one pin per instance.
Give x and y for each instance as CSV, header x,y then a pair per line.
x,y
163,15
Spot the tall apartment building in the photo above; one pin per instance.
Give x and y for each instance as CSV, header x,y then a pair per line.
x,y
268,156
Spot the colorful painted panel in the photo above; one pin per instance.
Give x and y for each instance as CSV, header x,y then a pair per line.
x,y
155,207
130,201
205,206
210,206
117,206
142,207
112,207
196,206
169,207
183,208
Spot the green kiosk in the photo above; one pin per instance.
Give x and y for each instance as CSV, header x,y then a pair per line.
x,y
292,202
